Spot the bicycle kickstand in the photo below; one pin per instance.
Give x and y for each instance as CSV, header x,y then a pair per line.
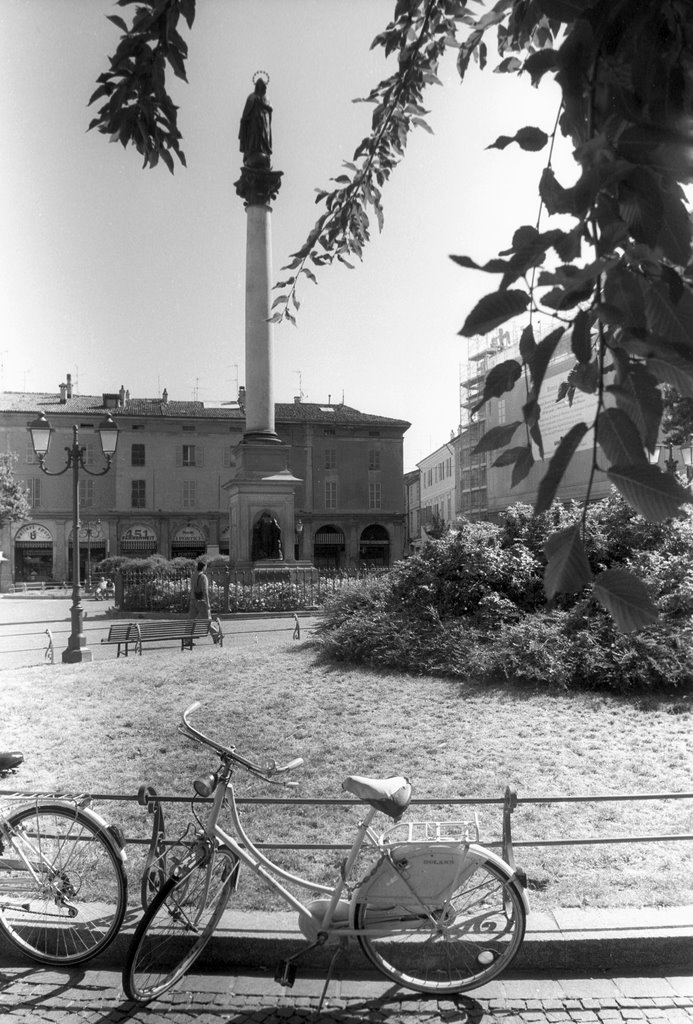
x,y
330,970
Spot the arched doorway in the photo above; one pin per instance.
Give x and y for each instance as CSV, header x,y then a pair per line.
x,y
328,548
374,547
33,554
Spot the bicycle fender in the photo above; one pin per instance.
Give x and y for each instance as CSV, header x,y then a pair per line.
x,y
111,834
502,865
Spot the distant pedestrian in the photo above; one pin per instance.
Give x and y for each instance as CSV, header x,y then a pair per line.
x,y
199,594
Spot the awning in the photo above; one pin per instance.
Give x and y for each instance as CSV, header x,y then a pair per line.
x,y
47,545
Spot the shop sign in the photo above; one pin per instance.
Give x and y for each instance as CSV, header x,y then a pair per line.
x,y
34,532
138,533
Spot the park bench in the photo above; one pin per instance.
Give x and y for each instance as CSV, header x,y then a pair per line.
x,y
135,634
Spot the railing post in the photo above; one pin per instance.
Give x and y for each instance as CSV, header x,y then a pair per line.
x,y
509,805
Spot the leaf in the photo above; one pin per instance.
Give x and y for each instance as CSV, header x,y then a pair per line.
x,y
493,310
640,397
625,596
580,340
500,378
510,456
652,493
542,356
670,320
528,138
618,438
557,467
522,467
567,568
496,437
537,64
678,374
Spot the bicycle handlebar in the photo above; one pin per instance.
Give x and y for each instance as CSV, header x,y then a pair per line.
x,y
186,729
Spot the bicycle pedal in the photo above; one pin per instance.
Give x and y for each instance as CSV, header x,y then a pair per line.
x,y
285,974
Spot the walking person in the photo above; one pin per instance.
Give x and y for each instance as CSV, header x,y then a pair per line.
x,y
199,594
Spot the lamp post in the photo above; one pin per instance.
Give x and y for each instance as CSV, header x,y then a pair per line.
x,y
41,430
686,451
89,529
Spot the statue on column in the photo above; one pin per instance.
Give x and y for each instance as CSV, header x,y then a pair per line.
x,y
255,134
267,538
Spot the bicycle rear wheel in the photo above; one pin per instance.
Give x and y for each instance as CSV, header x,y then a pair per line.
x,y
178,924
470,939
63,887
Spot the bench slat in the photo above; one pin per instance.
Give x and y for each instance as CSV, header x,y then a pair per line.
x,y
125,634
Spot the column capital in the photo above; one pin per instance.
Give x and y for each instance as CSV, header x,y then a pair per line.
x,y
257,186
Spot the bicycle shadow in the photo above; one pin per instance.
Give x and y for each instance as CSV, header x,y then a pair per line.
x,y
396,1006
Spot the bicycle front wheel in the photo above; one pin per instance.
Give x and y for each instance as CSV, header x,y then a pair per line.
x,y
178,924
468,940
63,887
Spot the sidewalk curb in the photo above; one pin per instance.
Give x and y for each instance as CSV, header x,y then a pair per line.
x,y
578,941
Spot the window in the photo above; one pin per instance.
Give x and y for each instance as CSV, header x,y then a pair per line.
x,y
329,431
330,458
137,455
501,410
139,494
374,458
189,493
34,495
86,493
374,495
190,455
88,453
330,494
31,458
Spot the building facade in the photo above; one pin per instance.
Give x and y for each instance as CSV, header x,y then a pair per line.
x,y
165,491
437,476
485,490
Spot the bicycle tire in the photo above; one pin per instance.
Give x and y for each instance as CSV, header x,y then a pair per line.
x,y
159,954
479,932
75,907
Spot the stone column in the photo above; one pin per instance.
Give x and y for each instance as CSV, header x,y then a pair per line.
x,y
256,187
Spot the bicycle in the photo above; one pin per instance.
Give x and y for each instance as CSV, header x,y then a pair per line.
x,y
437,913
63,886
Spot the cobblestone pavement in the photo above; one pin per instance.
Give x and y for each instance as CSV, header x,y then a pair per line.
x,y
48,996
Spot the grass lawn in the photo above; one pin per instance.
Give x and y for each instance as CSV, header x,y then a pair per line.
x,y
110,726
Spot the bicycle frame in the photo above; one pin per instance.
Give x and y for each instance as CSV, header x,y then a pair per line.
x,y
328,925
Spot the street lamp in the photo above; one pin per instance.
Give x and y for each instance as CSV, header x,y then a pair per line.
x,y
41,430
670,462
89,529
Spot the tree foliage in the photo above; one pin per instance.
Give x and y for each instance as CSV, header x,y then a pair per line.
x,y
618,281
14,504
137,108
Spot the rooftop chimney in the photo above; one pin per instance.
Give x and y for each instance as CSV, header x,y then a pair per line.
x,y
63,390
241,396
121,394
297,399
164,397
69,385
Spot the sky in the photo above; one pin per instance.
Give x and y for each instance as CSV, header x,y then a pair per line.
x,y
126,276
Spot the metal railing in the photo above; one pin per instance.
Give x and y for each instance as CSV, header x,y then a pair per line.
x,y
149,798
234,590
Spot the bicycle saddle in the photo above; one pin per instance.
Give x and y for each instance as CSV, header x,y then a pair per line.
x,y
391,796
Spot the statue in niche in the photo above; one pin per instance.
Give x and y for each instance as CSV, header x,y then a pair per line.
x,y
255,135
267,538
